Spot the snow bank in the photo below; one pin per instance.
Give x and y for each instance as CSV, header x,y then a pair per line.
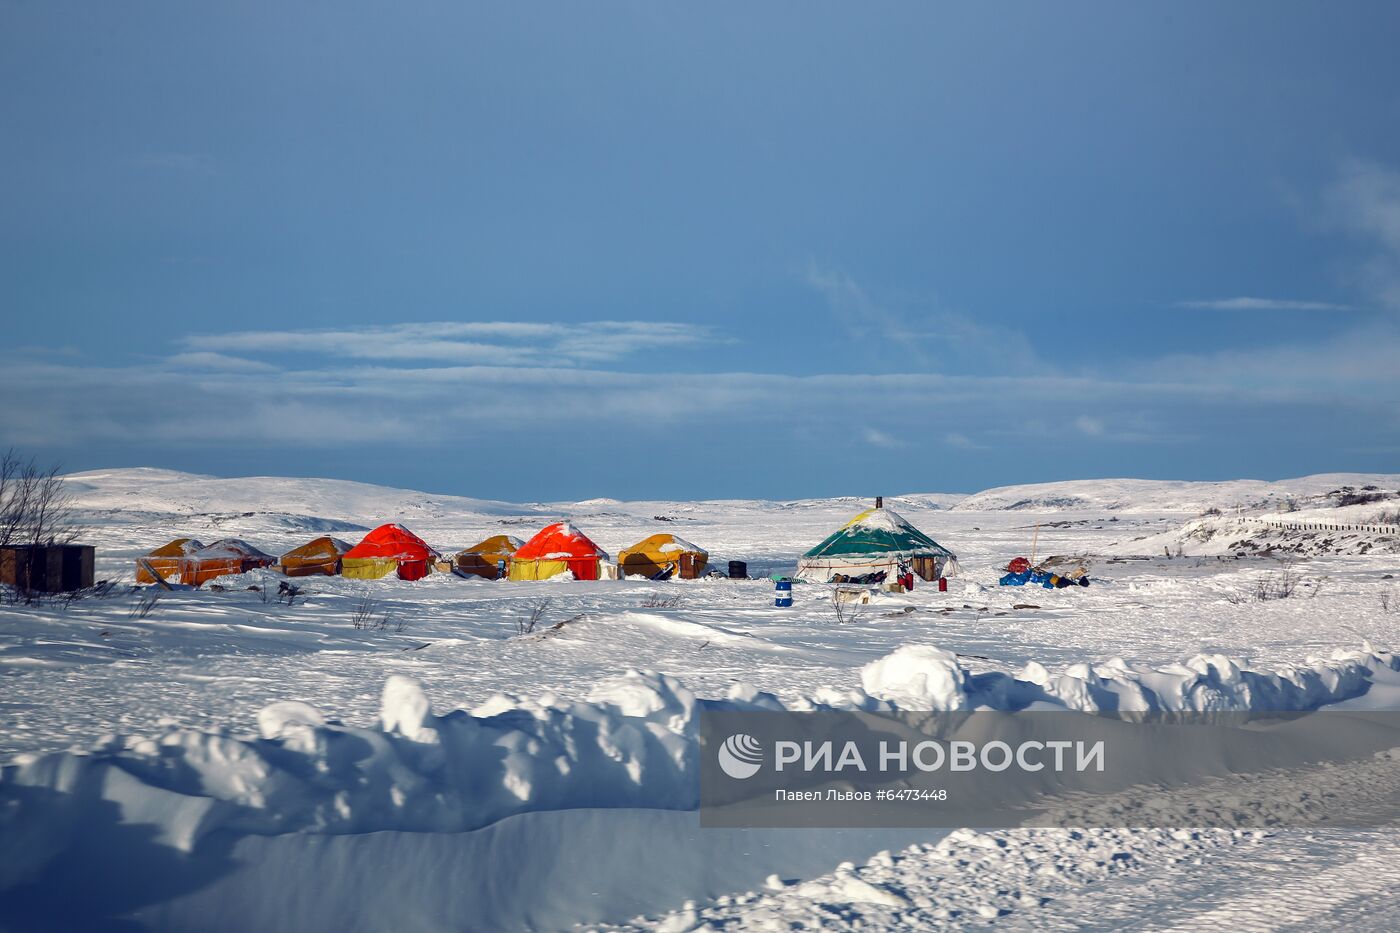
x,y
918,677
630,743
923,677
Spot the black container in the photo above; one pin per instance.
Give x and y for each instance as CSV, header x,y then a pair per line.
x,y
738,570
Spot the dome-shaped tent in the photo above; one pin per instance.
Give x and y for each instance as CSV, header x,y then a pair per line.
x,y
316,557
165,560
663,555
223,557
876,541
386,549
485,559
556,549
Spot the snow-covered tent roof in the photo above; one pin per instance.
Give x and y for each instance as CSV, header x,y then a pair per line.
x,y
230,549
878,532
654,555
877,541
556,549
662,545
496,546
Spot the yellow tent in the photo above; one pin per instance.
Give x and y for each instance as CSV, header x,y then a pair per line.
x,y
661,553
318,556
165,560
484,559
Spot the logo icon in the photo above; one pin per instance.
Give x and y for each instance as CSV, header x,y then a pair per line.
x,y
740,756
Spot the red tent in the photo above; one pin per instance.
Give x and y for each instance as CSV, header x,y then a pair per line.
x,y
387,548
557,548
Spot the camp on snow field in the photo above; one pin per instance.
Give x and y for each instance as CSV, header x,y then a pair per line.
x,y
387,549
250,764
317,557
488,558
662,556
877,541
561,548
390,548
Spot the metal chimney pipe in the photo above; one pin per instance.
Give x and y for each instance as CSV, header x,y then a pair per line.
x,y
879,502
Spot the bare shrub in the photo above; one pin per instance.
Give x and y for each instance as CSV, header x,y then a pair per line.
x,y
658,601
287,592
1389,601
102,589
1278,584
145,605
1281,583
368,618
363,616
534,611
847,611
35,506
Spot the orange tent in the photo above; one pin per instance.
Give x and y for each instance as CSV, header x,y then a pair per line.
x,y
319,556
656,556
388,548
229,555
557,548
165,560
484,560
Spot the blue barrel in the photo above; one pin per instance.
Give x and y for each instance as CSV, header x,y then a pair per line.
x,y
782,593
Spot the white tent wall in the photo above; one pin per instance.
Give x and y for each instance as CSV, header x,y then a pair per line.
x,y
822,569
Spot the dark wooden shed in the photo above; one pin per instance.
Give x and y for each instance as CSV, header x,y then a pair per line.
x,y
58,568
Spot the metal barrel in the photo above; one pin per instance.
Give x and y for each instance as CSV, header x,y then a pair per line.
x,y
782,593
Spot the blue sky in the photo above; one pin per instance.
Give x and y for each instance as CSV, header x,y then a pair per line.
x,y
565,250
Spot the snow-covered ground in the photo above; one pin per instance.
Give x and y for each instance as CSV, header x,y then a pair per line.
x,y
263,765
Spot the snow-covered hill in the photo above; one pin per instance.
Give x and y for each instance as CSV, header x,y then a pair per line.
x,y
1145,495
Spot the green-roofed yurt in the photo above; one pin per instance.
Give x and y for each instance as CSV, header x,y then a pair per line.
x,y
876,541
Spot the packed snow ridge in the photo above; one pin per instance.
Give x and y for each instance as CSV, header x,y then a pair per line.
x,y
632,742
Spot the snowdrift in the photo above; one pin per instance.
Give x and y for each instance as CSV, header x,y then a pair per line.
x,y
630,743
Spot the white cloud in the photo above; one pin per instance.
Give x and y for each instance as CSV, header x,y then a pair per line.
x,y
879,438
341,406
490,342
427,383
205,360
930,336
1359,360
1365,201
1092,427
961,441
1262,304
